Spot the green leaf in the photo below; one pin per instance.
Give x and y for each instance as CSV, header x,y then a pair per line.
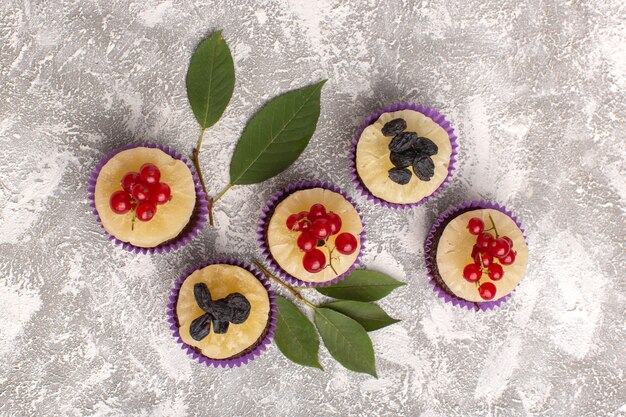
x,y
295,335
210,79
362,285
276,135
368,315
346,340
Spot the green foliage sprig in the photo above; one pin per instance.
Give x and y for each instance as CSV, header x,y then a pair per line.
x,y
273,138
342,325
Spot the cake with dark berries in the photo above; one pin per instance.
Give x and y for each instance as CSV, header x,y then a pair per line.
x,y
404,154
313,235
477,254
144,196
222,312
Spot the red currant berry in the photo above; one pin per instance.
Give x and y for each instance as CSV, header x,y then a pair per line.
x,y
317,211
160,193
307,242
291,221
487,290
495,272
321,228
149,173
483,240
304,225
499,247
314,261
335,222
141,192
145,211
487,259
475,226
509,258
346,243
300,225
129,180
120,202
508,239
476,254
472,272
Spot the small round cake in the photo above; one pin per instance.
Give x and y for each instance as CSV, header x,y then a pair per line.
x,y
223,313
403,154
145,197
476,255
312,233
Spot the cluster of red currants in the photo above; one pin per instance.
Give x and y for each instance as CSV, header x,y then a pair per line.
x,y
141,192
315,227
489,254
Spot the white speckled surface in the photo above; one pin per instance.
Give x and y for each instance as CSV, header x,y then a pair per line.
x,y
536,91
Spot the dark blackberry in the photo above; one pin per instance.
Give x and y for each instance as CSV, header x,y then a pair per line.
x,y
221,310
203,297
201,327
234,308
239,306
402,141
220,327
424,167
393,127
425,146
400,175
402,159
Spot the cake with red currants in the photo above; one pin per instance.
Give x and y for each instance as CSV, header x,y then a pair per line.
x,y
476,254
403,155
223,313
311,233
147,198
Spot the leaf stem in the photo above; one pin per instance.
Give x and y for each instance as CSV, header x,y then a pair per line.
x,y
214,199
217,197
196,163
295,293
196,154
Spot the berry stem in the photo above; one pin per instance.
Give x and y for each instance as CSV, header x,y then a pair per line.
x,y
295,293
132,222
493,226
482,268
330,259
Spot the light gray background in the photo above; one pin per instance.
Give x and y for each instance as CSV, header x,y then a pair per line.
x,y
535,90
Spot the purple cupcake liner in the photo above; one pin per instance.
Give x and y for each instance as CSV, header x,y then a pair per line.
x,y
266,215
196,221
426,111
237,361
428,248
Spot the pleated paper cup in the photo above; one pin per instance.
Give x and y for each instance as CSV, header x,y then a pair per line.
x,y
196,221
247,355
430,252
267,213
433,114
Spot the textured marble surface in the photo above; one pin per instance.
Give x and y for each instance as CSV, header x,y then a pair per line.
x,y
535,90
